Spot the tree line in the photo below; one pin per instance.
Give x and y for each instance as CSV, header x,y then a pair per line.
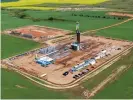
x,y
99,16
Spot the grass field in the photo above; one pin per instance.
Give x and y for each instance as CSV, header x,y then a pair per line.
x,y
86,23
11,46
123,31
119,89
15,86
8,21
27,90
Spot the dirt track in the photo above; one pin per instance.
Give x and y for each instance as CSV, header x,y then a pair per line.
x,y
120,14
38,31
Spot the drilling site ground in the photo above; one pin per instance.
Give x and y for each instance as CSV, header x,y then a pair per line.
x,y
66,59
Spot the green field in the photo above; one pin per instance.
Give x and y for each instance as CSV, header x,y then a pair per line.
x,y
29,90
123,31
86,23
119,89
8,21
11,45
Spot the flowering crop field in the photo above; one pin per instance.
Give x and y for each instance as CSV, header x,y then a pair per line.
x,y
34,8
28,4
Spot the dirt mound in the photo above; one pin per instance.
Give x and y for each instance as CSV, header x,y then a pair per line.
x,y
120,14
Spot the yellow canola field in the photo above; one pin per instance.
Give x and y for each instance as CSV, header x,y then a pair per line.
x,y
33,8
35,2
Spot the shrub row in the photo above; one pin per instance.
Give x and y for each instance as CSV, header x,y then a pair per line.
x,y
98,16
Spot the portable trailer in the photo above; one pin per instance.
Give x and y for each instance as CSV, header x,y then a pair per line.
x,y
27,36
91,61
45,64
45,61
80,66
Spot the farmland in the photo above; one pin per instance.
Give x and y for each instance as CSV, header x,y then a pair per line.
x,y
95,23
30,2
124,31
125,5
12,45
42,12
68,23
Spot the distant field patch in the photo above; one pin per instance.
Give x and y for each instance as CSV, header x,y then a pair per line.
x,y
117,4
11,45
123,31
9,0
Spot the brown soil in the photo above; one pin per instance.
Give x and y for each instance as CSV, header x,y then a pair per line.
x,y
120,14
37,31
